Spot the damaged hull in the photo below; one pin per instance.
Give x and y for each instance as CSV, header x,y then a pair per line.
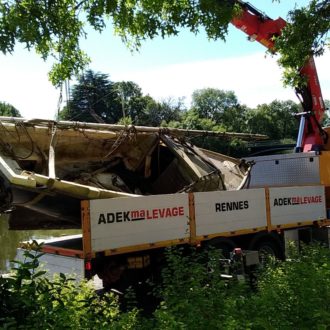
x,y
48,167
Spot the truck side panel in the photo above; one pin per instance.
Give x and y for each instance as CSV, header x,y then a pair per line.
x,y
123,222
55,264
228,211
297,204
125,225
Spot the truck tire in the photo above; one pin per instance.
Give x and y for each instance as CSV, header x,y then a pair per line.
x,y
268,248
267,245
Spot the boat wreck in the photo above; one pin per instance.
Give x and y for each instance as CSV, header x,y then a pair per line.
x,y
48,167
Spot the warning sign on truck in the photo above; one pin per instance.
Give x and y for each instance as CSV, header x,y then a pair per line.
x,y
297,204
121,222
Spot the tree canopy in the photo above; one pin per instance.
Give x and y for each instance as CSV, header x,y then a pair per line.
x,y
9,110
212,103
54,28
94,99
275,119
306,35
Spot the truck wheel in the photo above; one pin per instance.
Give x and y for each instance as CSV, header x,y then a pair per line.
x,y
267,244
268,249
226,245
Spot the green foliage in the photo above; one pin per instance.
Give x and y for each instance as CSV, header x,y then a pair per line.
x,y
162,113
212,103
125,121
235,118
194,296
236,148
94,99
192,120
7,109
307,34
276,120
54,28
30,300
131,99
216,110
97,99
135,21
292,294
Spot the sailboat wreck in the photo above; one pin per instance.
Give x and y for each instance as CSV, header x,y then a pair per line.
x,y
48,167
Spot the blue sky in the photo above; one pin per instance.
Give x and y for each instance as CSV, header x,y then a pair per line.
x,y
169,68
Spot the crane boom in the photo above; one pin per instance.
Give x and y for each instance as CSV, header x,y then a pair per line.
x,y
263,29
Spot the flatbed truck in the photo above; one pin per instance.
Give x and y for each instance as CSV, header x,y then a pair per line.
x,y
287,197
123,239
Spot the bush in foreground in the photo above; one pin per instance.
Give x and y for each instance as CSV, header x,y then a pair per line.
x,y
29,300
294,294
289,295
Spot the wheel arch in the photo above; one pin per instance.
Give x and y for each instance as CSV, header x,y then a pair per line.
x,y
226,244
273,238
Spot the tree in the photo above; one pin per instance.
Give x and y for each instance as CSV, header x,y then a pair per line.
x,y
54,28
161,113
7,109
94,99
132,100
234,119
307,34
192,120
275,120
212,103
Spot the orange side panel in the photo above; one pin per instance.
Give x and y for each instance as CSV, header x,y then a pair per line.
x,y
192,218
86,228
63,251
269,220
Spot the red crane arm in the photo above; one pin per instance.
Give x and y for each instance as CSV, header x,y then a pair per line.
x,y
263,29
257,25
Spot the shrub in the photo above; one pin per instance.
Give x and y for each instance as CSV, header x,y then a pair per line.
x,y
295,294
193,294
30,300
292,294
